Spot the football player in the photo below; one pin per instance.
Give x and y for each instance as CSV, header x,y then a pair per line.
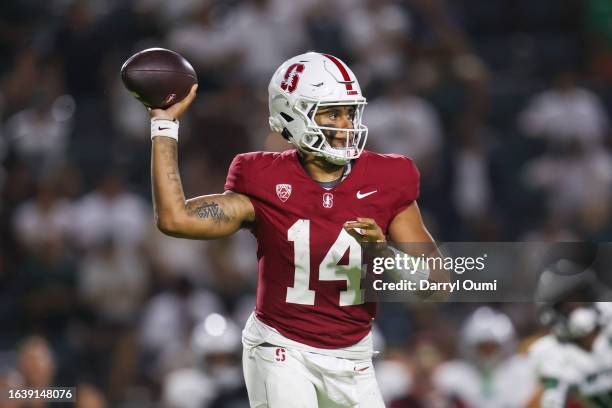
x,y
574,361
308,342
490,372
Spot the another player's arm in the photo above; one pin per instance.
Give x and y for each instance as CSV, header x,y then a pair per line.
x,y
206,217
547,396
534,400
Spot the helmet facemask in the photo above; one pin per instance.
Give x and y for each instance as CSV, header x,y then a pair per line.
x,y
315,138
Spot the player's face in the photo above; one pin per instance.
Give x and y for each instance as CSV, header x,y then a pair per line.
x,y
488,349
339,117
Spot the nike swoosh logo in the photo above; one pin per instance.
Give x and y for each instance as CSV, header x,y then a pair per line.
x,y
317,85
361,369
161,128
364,195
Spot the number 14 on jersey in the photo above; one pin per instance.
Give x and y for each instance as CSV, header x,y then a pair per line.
x,y
329,270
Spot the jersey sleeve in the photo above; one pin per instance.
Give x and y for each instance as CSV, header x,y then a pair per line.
x,y
408,187
235,180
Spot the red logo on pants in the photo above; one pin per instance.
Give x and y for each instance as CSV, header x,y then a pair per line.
x,y
280,354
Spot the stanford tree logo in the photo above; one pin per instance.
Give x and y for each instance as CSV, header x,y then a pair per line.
x,y
328,200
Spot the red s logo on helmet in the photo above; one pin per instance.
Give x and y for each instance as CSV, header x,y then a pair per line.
x,y
292,76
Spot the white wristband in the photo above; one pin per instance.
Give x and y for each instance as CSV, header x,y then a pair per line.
x,y
164,127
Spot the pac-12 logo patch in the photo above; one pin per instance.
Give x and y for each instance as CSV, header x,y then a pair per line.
x,y
283,191
328,200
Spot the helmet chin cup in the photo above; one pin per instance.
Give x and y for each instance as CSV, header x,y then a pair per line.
x,y
335,159
318,146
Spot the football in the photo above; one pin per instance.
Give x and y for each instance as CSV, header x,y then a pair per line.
x,y
158,77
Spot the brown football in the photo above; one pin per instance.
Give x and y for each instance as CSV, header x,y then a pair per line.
x,y
158,77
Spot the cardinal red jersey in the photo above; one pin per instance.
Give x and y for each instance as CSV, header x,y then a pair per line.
x,y
310,275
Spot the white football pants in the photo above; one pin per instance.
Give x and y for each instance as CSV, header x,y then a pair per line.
x,y
279,377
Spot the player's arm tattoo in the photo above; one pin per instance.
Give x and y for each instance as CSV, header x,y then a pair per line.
x,y
198,208
210,210
165,179
205,217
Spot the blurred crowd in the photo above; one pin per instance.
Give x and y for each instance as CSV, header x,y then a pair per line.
x,y
503,105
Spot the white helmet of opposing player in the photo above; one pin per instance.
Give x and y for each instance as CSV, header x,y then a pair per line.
x,y
217,334
483,326
299,88
216,342
555,289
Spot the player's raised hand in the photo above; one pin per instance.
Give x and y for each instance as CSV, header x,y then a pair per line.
x,y
365,230
176,110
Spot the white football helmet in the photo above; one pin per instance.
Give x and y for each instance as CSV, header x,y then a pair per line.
x,y
554,290
304,84
486,325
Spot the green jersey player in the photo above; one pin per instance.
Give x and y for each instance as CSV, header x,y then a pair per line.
x,y
574,361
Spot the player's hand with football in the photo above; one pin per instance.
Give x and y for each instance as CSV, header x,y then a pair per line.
x,y
176,110
365,230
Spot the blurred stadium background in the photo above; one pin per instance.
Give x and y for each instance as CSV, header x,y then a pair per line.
x,y
504,105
